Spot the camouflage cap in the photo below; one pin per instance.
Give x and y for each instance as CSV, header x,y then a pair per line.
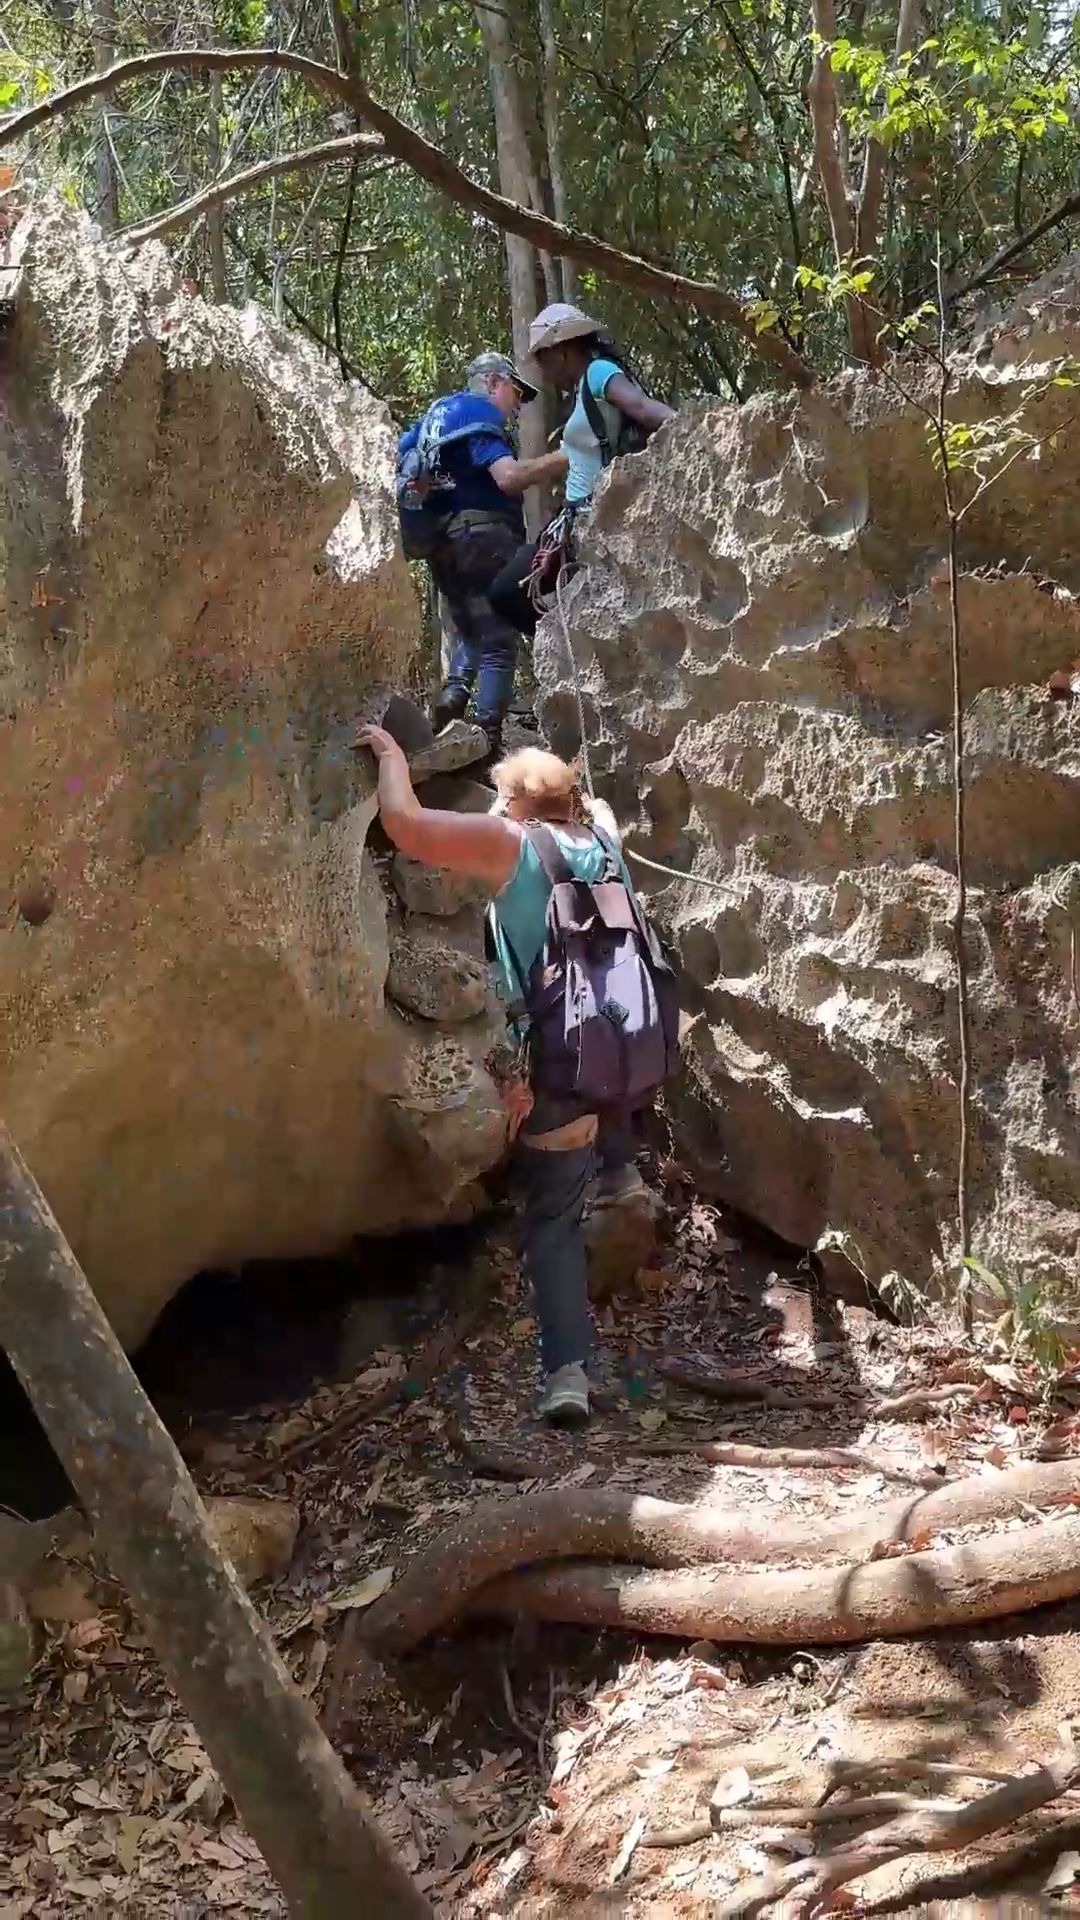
x,y
501,363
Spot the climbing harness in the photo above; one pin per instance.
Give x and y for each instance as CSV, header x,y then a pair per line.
x,y
656,866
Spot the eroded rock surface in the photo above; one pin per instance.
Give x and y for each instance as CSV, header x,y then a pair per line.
x,y
762,635
201,594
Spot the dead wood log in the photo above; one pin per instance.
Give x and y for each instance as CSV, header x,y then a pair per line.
x,y
806,1606
724,1453
803,1884
316,1831
572,1523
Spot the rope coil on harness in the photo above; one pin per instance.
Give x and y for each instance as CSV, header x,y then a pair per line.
x,y
656,866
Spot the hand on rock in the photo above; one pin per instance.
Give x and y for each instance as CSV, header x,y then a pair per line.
x,y
377,738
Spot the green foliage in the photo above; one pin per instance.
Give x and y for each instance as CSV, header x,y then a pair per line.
x,y
1030,1328
686,137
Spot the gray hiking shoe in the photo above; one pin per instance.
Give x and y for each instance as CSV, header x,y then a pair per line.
x,y
618,1183
565,1399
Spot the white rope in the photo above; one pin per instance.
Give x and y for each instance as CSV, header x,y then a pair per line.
x,y
688,879
586,768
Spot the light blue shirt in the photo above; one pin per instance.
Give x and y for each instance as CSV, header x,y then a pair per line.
x,y
518,914
580,443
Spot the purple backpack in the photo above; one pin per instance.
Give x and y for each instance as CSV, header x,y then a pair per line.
x,y
601,998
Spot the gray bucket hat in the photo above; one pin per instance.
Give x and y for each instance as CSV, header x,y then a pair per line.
x,y
502,363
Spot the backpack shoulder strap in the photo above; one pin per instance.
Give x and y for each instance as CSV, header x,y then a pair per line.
x,y
595,417
548,852
614,858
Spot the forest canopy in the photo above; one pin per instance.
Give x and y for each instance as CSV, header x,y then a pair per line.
x,y
824,169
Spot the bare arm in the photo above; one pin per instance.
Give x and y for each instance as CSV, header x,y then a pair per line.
x,y
515,477
628,397
483,845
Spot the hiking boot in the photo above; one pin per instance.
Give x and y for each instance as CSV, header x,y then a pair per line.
x,y
613,1185
493,730
448,705
565,1399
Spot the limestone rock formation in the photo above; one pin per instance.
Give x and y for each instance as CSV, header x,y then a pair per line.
x,y
762,636
201,593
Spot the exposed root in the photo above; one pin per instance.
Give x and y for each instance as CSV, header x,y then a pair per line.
x,y
725,1453
907,1406
738,1386
730,1819
805,1883
807,1606
578,1523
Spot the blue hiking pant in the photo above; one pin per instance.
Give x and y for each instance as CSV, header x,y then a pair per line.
x,y
555,1185
474,548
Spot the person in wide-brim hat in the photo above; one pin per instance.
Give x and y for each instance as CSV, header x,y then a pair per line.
x,y
570,350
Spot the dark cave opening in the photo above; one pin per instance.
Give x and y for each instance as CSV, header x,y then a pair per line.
x,y
264,1335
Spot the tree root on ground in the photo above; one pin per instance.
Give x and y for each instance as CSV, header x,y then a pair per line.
x,y
575,1523
734,1453
740,1386
804,1884
806,1606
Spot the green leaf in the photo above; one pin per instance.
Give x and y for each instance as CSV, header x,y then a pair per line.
x,y
9,92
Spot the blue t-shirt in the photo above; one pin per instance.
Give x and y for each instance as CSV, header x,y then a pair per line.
x,y
518,914
580,443
467,462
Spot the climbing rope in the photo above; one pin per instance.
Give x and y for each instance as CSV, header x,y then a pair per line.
x,y
656,866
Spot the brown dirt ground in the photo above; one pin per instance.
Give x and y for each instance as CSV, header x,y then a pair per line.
x,y
514,1771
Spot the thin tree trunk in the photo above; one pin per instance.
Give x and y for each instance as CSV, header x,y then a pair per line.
x,y
871,193
314,1828
829,156
215,225
553,137
516,183
101,20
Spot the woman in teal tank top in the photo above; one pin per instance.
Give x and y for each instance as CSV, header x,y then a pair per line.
x,y
560,1143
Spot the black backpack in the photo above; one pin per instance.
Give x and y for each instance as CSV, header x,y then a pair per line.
x,y
631,436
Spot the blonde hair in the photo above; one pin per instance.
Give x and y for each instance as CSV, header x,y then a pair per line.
x,y
551,786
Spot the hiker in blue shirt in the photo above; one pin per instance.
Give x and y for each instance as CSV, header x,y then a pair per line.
x,y
612,415
572,1148
460,486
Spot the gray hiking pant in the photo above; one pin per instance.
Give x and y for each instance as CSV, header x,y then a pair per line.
x,y
556,1183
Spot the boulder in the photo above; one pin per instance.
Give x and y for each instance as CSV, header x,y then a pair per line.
x,y
762,639
436,981
202,592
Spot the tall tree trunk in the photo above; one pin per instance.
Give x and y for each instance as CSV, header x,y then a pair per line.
x,y
516,181
315,1830
101,20
553,137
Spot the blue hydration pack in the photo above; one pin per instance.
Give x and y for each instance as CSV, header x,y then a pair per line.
x,y
424,488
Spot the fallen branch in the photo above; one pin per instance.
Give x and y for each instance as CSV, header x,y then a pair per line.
x,y
737,1386
805,1883
922,1400
486,1458
436,167
725,1453
575,1522
329,153
440,1350
319,1837
806,1606
1067,209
